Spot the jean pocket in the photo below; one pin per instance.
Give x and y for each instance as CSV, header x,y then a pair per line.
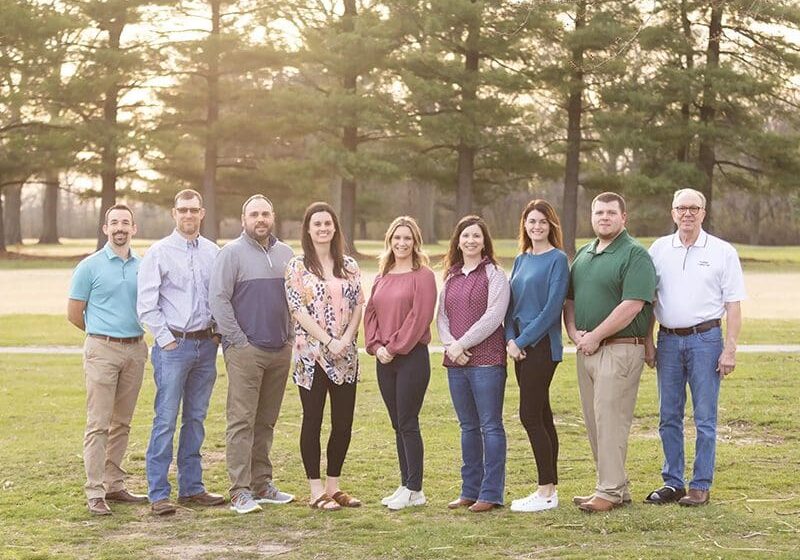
x,y
713,335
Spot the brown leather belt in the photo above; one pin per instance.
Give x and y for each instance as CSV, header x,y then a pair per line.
x,y
194,335
623,340
699,328
129,340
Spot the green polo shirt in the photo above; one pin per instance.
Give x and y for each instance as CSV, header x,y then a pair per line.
x,y
598,282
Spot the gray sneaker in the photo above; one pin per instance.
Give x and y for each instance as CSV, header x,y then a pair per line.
x,y
271,495
243,502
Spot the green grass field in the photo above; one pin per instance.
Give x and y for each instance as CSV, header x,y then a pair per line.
x,y
755,511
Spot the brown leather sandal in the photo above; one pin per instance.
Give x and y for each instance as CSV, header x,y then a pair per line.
x,y
346,500
325,503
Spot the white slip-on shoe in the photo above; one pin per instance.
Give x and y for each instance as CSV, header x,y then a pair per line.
x,y
535,502
385,501
407,498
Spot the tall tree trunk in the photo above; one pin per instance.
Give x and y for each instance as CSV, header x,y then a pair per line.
x,y
465,173
572,166
2,225
426,211
12,214
211,223
349,185
110,148
706,159
49,232
684,150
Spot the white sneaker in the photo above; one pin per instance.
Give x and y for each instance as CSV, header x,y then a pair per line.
x,y
535,502
243,502
385,501
407,498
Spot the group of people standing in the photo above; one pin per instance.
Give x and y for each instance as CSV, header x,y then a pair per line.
x,y
273,311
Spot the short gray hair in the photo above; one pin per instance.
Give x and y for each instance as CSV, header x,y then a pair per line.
x,y
695,192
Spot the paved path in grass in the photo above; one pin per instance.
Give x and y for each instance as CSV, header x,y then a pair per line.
x,y
742,349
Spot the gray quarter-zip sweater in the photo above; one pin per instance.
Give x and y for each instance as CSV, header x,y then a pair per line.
x,y
247,295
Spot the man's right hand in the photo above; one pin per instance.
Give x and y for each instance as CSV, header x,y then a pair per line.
x,y
171,346
650,354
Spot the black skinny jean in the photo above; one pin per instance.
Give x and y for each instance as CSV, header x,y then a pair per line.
x,y
343,403
403,383
534,375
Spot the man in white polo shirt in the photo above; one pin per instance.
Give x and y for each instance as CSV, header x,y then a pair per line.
x,y
699,280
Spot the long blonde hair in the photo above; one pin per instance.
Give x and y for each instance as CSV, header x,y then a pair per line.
x,y
418,258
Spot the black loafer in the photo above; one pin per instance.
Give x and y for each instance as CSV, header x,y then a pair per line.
x,y
665,495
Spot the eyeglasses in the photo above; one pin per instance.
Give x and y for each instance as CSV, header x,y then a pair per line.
x,y
184,210
693,210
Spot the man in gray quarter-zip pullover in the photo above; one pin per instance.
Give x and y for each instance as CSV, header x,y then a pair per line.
x,y
248,302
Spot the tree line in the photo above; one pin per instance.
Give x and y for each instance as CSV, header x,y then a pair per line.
x,y
467,99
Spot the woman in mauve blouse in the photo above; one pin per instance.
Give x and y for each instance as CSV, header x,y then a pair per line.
x,y
472,306
397,328
323,288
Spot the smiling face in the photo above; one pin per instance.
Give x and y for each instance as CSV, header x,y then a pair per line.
x,y
688,224
258,220
608,219
119,227
471,242
188,215
402,243
537,226
321,228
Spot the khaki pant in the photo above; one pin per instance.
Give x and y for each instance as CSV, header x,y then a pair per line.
x,y
256,383
113,378
608,381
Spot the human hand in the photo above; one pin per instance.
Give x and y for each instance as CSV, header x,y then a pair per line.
x,y
454,350
650,354
463,359
514,351
588,343
171,346
575,336
336,347
383,355
727,362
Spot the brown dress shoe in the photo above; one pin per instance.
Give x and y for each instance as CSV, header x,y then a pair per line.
x,y
125,497
480,507
163,507
598,505
461,502
206,499
578,500
695,497
98,506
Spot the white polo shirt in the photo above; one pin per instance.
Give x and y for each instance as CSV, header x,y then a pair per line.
x,y
695,283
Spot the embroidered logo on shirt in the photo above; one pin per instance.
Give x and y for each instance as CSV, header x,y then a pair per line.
x,y
703,263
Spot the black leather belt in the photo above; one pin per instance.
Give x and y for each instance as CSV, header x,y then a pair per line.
x,y
623,340
698,328
128,340
194,335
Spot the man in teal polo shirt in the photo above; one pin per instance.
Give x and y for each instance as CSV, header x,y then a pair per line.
x,y
607,314
102,302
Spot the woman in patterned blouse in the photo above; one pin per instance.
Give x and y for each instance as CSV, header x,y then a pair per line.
x,y
323,288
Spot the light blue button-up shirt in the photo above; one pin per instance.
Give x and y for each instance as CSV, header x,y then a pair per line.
x,y
107,284
173,286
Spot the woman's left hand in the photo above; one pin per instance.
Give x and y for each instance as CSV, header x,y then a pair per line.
x,y
463,359
454,350
337,347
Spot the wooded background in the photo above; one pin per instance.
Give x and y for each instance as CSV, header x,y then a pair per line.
x,y
438,108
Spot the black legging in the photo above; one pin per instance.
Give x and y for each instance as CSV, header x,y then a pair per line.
x,y
403,383
343,403
534,375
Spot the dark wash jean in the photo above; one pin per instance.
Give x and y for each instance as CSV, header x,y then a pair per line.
x,y
477,393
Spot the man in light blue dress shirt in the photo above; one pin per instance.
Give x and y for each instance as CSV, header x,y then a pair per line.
x,y
173,305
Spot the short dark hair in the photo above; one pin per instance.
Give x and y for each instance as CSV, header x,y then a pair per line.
x,y
256,197
610,197
188,194
120,207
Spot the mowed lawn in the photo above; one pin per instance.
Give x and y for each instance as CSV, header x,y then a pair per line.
x,y
755,510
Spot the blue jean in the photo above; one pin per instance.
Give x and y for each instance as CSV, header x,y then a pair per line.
x,y
680,360
477,394
186,374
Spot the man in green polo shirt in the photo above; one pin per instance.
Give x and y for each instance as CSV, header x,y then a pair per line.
x,y
607,314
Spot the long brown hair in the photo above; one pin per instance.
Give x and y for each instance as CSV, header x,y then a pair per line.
x,y
310,258
418,258
454,256
554,237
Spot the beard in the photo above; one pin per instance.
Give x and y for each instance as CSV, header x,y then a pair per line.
x,y
119,238
260,237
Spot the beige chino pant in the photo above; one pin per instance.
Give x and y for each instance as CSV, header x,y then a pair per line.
x,y
608,381
256,383
114,374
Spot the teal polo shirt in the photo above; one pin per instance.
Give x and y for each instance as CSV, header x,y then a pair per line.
x,y
598,282
108,286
